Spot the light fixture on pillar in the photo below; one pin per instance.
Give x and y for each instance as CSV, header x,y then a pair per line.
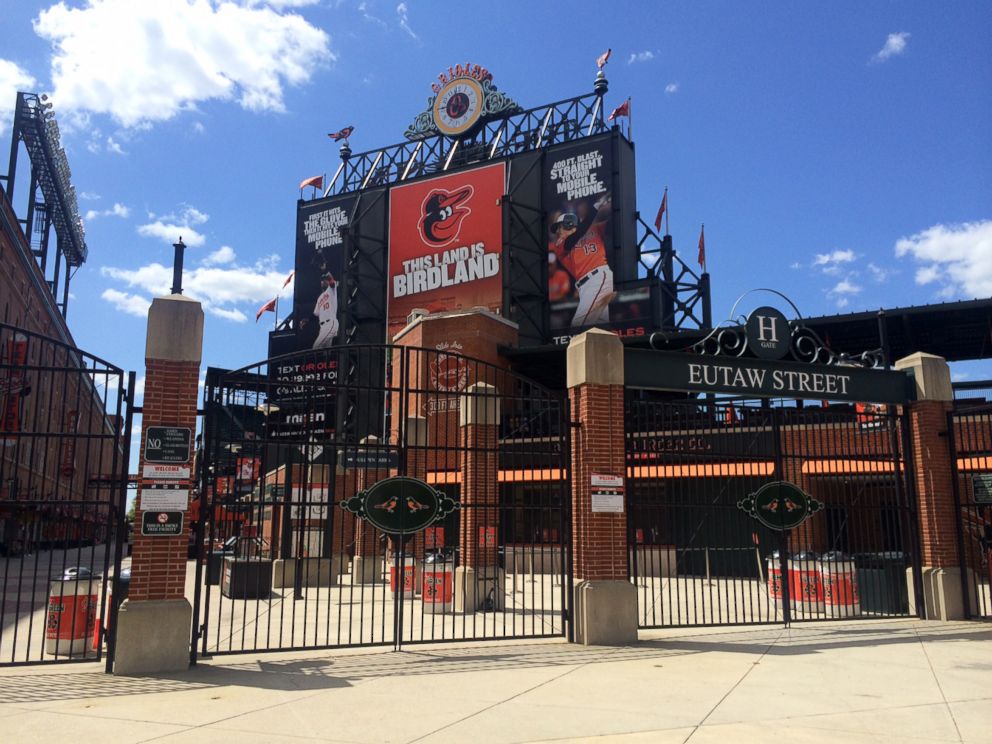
x,y
177,266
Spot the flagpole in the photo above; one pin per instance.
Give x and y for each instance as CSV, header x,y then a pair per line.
x,y
668,208
630,121
275,324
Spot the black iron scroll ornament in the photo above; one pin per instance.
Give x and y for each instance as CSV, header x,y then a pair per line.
x,y
735,337
400,505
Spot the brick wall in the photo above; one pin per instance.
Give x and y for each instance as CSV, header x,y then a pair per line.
x,y
158,564
935,495
599,541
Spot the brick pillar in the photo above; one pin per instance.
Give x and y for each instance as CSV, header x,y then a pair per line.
x,y
366,567
153,625
605,600
941,572
478,573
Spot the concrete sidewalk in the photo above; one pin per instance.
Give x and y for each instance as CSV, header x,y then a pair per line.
x,y
895,681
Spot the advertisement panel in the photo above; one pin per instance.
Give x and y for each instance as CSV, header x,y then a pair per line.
x,y
319,269
445,244
578,199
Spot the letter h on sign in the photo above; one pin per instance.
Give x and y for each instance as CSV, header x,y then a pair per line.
x,y
767,325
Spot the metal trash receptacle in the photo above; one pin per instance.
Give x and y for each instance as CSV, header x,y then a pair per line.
x,y
882,582
73,600
838,575
805,587
438,585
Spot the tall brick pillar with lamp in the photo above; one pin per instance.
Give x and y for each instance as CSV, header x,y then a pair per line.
x,y
153,625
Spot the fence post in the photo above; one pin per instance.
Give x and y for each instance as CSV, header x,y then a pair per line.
x,y
479,581
933,474
605,606
153,623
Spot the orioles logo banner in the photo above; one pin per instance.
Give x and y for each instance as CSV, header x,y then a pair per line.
x,y
445,244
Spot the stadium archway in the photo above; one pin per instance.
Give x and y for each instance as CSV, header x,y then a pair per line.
x,y
764,489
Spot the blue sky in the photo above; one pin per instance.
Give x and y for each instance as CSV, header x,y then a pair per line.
x,y
838,152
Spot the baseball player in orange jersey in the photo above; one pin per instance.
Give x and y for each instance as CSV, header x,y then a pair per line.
x,y
581,249
326,312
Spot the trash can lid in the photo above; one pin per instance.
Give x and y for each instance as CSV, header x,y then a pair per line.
x,y
835,555
806,555
76,572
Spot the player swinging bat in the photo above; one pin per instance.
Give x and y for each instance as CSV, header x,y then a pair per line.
x,y
581,249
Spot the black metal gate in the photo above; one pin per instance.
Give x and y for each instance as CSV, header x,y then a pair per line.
x,y
699,558
969,427
282,566
65,423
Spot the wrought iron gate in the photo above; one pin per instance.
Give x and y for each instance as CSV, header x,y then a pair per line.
x,y
969,427
281,565
699,558
65,423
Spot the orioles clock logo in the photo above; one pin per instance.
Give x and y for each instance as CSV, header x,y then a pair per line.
x,y
443,212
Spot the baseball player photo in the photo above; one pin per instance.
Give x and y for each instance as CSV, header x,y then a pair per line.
x,y
326,311
577,243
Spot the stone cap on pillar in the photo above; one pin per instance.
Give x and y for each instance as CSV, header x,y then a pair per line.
x,y
479,405
416,431
175,329
594,358
931,373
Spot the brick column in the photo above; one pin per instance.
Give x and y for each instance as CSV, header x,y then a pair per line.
x,y
605,600
366,567
941,572
153,625
478,572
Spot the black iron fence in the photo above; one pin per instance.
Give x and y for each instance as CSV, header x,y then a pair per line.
x,y
970,428
699,556
281,565
64,436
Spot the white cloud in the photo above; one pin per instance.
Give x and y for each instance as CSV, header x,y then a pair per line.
x,y
895,44
402,13
878,273
221,289
645,56
845,287
141,62
223,255
280,4
13,78
832,263
113,146
198,127
131,304
672,88
958,257
118,210
89,195
364,10
169,228
842,292
171,232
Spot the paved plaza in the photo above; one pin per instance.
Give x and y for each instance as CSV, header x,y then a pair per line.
x,y
851,681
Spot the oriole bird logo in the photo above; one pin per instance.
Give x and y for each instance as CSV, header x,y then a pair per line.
x,y
443,212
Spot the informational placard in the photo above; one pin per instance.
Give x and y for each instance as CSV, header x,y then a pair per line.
x,y
607,493
982,485
165,472
169,444
364,459
162,523
164,499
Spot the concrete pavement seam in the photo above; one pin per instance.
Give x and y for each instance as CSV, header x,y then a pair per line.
x,y
940,689
735,686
